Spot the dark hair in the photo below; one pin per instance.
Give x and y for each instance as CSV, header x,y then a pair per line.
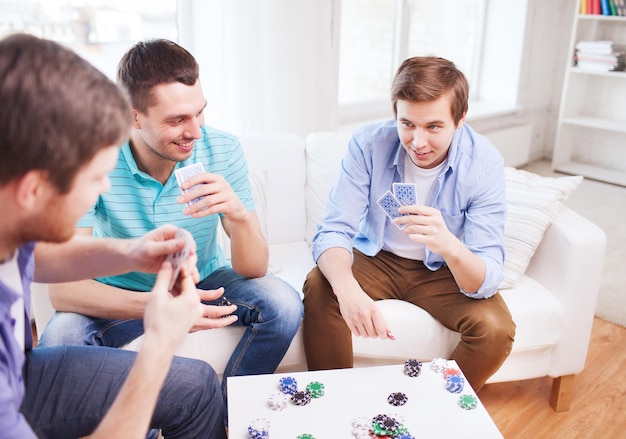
x,y
426,79
57,110
150,63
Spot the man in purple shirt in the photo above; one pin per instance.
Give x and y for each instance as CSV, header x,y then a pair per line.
x,y
448,250
61,122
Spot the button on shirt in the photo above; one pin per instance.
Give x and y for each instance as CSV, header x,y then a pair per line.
x,y
469,193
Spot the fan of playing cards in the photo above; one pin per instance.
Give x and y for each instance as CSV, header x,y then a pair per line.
x,y
404,194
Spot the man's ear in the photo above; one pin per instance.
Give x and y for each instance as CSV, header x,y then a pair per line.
x,y
136,122
461,121
32,189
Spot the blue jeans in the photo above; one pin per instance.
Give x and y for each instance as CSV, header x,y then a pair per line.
x,y
70,388
269,308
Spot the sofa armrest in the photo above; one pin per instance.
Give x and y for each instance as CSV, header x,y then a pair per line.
x,y
569,263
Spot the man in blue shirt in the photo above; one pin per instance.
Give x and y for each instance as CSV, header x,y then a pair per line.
x,y
162,80
448,250
56,156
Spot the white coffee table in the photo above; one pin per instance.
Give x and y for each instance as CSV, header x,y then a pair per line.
x,y
351,393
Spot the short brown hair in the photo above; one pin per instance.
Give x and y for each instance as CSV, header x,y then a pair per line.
x,y
150,63
426,79
57,110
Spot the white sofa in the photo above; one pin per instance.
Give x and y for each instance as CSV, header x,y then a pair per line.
x,y
553,304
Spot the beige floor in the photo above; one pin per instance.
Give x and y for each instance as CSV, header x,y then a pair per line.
x,y
605,205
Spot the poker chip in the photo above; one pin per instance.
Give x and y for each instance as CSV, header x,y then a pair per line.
x,y
315,389
388,425
412,367
439,364
455,383
224,302
288,385
277,401
306,436
361,422
259,429
301,398
397,398
404,436
451,371
468,402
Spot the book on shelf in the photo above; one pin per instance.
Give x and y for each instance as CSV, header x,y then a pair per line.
x,y
603,7
600,47
600,55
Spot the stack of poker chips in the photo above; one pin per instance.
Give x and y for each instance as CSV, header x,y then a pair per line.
x,y
289,386
382,425
455,382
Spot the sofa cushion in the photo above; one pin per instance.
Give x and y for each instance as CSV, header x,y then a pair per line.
x,y
533,202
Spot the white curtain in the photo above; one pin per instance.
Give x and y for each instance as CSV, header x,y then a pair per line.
x,y
265,65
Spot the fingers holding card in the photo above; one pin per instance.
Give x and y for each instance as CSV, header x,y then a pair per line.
x,y
185,173
178,259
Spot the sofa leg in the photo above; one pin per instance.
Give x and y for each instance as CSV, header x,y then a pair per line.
x,y
561,396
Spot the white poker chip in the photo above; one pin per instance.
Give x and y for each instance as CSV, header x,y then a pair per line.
x,y
439,364
361,422
277,401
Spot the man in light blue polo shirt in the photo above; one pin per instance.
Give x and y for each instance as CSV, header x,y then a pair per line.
x,y
161,79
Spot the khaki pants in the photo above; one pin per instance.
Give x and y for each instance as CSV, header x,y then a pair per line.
x,y
486,327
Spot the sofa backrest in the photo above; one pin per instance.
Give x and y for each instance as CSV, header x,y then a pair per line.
x,y
277,174
324,152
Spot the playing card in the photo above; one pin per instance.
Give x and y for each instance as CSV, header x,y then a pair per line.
x,y
185,173
405,193
390,205
177,259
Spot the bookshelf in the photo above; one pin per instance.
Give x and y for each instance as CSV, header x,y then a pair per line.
x,y
591,128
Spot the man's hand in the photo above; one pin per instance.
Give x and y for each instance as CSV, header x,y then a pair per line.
x,y
362,315
213,316
149,251
426,226
169,318
217,197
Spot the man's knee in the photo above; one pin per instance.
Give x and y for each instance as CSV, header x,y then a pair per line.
x,y
66,328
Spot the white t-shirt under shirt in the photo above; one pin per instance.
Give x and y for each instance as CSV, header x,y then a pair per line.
x,y
395,240
10,275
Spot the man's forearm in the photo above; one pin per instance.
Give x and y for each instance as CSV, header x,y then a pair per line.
x,y
96,299
82,257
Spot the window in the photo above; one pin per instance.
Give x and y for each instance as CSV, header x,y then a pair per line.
x,y
377,35
99,30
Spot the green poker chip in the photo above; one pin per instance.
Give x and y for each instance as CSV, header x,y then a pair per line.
x,y
468,402
315,389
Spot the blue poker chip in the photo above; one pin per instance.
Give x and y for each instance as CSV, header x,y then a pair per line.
x,y
288,385
259,429
455,383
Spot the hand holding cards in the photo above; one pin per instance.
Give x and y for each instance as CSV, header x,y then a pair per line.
x,y
404,194
185,173
178,259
